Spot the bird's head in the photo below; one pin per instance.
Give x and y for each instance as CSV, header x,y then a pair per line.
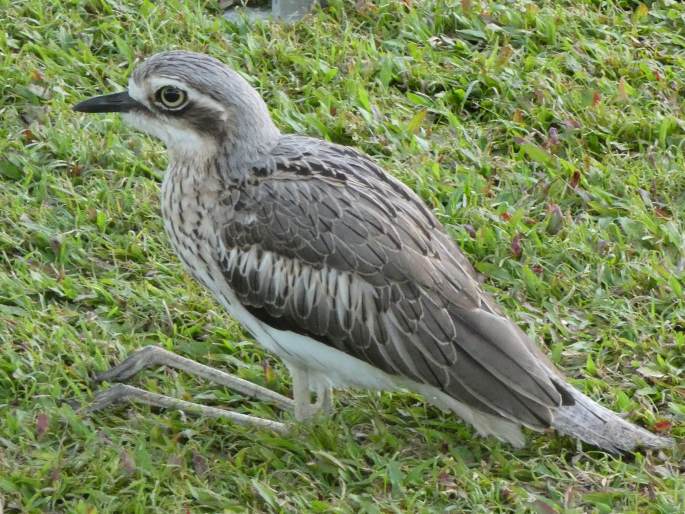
x,y
193,103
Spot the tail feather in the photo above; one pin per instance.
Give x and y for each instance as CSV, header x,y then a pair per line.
x,y
578,416
597,425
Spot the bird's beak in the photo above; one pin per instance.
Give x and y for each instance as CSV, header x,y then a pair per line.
x,y
117,102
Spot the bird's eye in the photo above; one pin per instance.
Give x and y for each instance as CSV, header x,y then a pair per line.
x,y
171,97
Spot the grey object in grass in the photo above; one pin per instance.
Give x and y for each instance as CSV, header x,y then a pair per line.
x,y
280,10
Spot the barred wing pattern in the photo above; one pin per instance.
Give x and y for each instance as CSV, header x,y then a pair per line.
x,y
324,243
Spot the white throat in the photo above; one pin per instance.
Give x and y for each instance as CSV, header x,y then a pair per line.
x,y
181,144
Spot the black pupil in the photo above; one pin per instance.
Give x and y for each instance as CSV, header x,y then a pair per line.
x,y
171,95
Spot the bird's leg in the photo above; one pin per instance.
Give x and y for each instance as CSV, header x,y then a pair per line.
x,y
158,356
324,399
301,393
120,393
304,408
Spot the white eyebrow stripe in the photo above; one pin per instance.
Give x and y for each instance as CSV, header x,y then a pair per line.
x,y
137,93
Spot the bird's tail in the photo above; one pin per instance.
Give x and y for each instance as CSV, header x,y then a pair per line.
x,y
597,425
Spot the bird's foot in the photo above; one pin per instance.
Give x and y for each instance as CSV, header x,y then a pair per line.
x,y
149,356
120,393
157,356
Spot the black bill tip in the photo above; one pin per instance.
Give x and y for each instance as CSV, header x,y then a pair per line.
x,y
117,102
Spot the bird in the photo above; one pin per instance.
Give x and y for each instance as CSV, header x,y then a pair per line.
x,y
334,266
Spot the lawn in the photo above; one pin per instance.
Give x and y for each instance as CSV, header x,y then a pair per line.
x,y
548,137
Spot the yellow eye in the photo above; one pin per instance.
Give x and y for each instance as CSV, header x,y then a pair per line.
x,y
171,97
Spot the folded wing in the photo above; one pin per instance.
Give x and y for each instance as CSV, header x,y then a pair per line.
x,y
324,243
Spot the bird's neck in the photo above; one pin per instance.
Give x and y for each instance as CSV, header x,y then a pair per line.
x,y
249,138
229,162
246,138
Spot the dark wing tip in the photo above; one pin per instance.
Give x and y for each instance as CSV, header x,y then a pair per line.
x,y
567,398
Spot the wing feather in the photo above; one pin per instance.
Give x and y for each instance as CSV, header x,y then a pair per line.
x,y
329,246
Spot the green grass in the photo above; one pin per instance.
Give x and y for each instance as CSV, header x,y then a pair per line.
x,y
548,139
